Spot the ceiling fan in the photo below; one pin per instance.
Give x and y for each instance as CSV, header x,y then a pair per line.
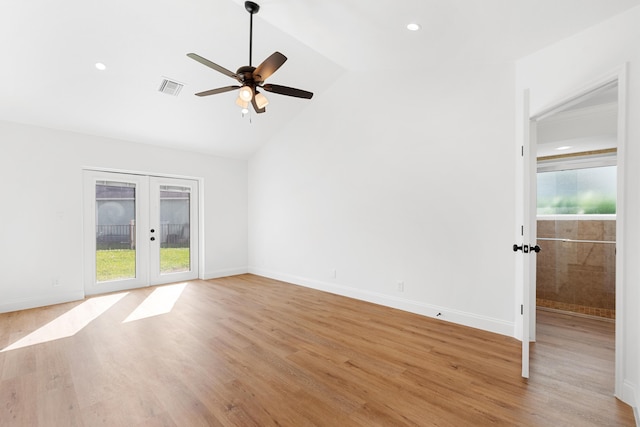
x,y
251,78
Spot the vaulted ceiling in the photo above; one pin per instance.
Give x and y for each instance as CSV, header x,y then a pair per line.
x,y
49,49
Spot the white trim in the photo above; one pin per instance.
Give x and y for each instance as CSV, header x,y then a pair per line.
x,y
27,303
225,273
139,172
621,75
576,97
201,231
630,395
472,320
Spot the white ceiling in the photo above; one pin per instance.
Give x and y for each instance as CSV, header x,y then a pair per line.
x,y
49,49
588,124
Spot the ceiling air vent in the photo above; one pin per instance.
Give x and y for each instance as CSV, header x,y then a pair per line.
x,y
170,87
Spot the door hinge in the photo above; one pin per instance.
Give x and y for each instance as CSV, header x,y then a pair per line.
x,y
521,309
522,230
522,151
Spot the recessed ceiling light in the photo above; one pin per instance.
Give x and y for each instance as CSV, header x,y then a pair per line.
x,y
564,147
100,66
413,27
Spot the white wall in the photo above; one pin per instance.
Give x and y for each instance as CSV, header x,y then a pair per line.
x,y
573,64
41,213
384,181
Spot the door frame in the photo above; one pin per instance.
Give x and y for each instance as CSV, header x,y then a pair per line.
x,y
90,195
526,139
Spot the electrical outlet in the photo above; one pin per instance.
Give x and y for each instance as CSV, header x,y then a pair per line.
x,y
400,286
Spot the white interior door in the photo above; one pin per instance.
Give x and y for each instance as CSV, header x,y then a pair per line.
x,y
526,234
139,231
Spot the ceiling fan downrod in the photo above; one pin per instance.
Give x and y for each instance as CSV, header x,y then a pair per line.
x,y
252,8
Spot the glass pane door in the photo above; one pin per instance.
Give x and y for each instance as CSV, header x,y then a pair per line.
x,y
116,208
173,232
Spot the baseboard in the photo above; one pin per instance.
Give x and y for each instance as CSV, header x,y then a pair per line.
x,y
225,273
27,303
59,298
455,316
630,396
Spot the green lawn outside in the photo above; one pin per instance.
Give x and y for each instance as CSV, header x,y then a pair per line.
x,y
121,264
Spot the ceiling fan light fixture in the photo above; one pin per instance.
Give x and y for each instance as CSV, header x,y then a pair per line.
x,y
246,94
261,100
242,104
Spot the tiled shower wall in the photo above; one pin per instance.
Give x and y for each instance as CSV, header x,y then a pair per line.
x,y
577,276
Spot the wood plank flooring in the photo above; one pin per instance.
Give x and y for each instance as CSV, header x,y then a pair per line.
x,y
250,351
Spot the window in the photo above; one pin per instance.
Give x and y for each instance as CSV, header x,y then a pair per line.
x,y
577,192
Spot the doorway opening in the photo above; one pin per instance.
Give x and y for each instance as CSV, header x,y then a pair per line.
x,y
576,225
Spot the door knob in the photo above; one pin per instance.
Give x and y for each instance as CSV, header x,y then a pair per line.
x,y
153,230
153,238
526,248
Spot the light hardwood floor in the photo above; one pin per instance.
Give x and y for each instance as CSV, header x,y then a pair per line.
x,y
250,351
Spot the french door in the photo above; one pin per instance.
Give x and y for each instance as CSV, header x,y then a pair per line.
x,y
139,231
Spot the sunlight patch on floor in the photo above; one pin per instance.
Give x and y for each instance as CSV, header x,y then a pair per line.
x,y
160,301
69,323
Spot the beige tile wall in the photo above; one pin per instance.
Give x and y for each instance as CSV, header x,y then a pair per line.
x,y
578,277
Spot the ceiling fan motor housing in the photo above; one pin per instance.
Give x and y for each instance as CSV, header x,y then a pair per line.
x,y
251,7
245,75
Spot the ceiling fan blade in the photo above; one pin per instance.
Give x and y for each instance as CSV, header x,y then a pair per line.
x,y
217,91
212,65
289,91
255,106
269,66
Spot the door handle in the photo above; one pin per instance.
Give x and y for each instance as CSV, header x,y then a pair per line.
x,y
526,248
153,238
